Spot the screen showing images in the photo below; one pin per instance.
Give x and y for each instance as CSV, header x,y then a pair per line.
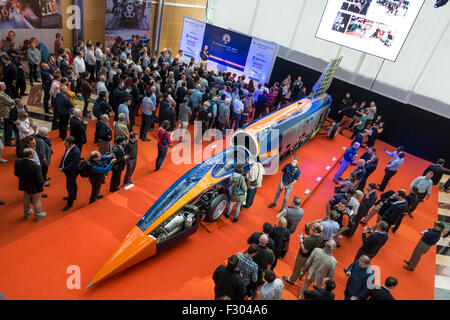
x,y
377,27
30,14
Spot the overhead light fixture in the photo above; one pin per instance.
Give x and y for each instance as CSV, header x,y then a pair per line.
x,y
440,3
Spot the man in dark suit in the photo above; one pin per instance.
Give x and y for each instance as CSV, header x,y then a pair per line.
x,y
118,96
437,169
366,203
64,108
31,183
69,165
384,292
136,98
396,209
374,242
119,166
10,76
228,281
163,105
78,128
321,293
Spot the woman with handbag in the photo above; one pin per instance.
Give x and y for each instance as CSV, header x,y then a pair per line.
x,y
164,141
238,190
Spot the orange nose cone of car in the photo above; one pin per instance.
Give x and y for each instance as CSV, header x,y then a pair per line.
x,y
134,248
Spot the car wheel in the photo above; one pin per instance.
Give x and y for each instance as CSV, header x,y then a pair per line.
x,y
217,208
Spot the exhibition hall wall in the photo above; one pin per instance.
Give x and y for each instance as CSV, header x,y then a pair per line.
x,y
412,79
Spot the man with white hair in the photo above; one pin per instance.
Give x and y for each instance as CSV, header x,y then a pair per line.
x,y
321,266
104,134
120,127
101,84
360,172
264,257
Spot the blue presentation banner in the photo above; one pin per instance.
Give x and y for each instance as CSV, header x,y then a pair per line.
x,y
229,51
227,47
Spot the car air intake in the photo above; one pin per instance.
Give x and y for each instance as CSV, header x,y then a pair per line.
x,y
247,141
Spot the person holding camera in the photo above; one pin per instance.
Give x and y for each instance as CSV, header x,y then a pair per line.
x,y
98,172
373,240
307,245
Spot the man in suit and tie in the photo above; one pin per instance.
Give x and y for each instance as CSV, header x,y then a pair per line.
x,y
396,209
78,128
69,165
10,76
384,292
31,183
64,108
374,241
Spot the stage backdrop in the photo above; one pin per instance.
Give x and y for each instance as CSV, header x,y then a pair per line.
x,y
229,51
127,18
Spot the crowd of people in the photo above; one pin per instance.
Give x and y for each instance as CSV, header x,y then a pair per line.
x,y
172,93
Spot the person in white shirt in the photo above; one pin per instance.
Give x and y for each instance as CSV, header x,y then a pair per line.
x,y
424,184
272,288
80,69
91,61
353,203
25,126
101,85
238,107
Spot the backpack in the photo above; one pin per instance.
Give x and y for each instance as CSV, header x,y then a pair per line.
x,y
84,169
237,189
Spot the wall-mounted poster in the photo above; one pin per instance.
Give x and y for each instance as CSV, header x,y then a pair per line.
x,y
30,14
127,19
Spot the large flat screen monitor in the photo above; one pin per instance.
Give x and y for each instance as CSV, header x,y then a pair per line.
x,y
377,27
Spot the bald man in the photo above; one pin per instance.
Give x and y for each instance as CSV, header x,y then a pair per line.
x,y
78,128
264,258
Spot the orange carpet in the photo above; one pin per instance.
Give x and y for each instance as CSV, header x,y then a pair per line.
x,y
35,257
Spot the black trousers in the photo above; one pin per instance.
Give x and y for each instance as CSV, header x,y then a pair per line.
x,y
115,180
63,122
86,105
399,222
44,170
388,174
91,69
33,73
21,84
147,122
71,185
46,97
11,89
95,190
8,130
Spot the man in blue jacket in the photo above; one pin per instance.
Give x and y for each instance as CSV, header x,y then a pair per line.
x,y
360,275
98,170
349,158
